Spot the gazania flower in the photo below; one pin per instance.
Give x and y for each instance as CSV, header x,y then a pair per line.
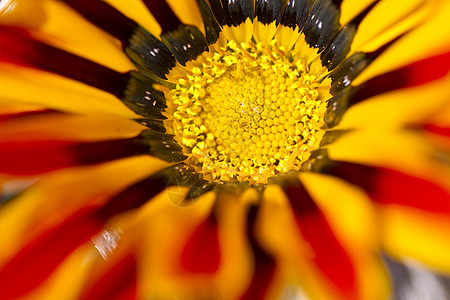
x,y
237,149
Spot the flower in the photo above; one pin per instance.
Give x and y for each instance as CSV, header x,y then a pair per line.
x,y
221,149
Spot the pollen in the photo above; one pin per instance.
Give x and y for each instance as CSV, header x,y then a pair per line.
x,y
247,112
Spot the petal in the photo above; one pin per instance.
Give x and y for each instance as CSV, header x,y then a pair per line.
x,y
135,9
45,141
387,186
201,252
23,50
431,38
15,112
353,219
237,274
408,233
388,19
187,12
170,227
438,136
443,131
117,281
265,264
28,268
436,130
177,230
267,18
235,18
19,221
67,30
44,124
329,255
305,246
143,48
70,277
34,87
18,13
413,211
55,244
41,156
350,8
415,74
399,150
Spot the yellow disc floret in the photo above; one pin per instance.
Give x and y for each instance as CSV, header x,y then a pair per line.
x,y
246,112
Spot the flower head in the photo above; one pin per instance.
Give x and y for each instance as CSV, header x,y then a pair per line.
x,y
217,149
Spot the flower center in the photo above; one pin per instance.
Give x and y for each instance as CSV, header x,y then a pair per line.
x,y
247,112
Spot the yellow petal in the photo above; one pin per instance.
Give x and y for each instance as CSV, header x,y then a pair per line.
x,y
70,127
14,108
241,33
263,32
427,40
188,12
351,8
235,273
395,109
34,87
18,12
66,29
136,10
402,151
408,233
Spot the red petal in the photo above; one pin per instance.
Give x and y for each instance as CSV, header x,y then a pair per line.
x,y
119,282
201,253
388,186
39,156
330,257
444,131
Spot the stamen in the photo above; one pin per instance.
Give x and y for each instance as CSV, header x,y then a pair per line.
x,y
247,112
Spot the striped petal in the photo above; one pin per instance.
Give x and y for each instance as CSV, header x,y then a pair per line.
x,y
59,204
307,242
429,39
400,198
80,222
183,265
22,272
415,74
387,186
24,50
329,256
